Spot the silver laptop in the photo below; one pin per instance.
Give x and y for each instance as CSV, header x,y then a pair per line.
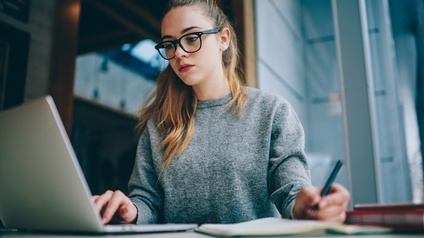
x,y
42,186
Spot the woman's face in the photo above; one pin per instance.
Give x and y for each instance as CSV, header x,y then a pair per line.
x,y
204,66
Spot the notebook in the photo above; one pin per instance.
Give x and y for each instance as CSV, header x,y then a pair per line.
x,y
42,185
273,226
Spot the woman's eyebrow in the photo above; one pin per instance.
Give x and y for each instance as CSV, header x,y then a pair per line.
x,y
182,32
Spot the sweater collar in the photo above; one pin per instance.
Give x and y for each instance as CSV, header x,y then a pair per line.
x,y
215,102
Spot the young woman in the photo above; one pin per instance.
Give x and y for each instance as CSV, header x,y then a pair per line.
x,y
212,150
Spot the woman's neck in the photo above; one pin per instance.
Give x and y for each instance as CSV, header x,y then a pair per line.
x,y
214,89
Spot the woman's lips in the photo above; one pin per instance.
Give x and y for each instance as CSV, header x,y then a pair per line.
x,y
185,67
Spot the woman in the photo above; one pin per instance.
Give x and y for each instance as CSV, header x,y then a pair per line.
x,y
212,150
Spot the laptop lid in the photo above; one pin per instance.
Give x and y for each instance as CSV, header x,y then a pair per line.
x,y
41,183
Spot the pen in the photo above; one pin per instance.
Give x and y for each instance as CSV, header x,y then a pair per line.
x,y
329,182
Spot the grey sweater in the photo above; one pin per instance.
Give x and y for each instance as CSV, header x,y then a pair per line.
x,y
236,168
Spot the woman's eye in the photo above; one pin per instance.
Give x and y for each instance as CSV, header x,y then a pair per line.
x,y
191,39
168,46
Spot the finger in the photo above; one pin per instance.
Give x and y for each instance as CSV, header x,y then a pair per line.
x,y
337,188
319,202
117,201
332,214
128,213
102,200
306,199
94,198
338,196
337,218
309,196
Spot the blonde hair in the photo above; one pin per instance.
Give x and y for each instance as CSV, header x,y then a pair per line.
x,y
172,105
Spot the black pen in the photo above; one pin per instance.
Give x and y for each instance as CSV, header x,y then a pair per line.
x,y
329,182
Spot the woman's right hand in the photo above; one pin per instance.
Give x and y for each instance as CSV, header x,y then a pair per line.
x,y
115,207
332,208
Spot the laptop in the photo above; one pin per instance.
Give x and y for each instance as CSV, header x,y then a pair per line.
x,y
42,187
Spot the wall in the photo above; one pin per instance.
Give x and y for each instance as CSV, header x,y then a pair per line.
x,y
40,27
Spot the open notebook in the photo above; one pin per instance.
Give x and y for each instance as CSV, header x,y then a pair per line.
x,y
42,185
272,226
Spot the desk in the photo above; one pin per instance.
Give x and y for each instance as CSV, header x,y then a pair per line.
x,y
190,234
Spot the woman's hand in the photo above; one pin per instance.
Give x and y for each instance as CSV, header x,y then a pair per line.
x,y
331,208
115,207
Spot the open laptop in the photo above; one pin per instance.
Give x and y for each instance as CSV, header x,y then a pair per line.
x,y
42,187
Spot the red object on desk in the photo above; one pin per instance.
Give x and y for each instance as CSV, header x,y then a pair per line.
x,y
397,216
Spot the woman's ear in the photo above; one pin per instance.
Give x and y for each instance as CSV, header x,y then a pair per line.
x,y
225,37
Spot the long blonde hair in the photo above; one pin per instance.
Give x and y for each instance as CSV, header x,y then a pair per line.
x,y
172,105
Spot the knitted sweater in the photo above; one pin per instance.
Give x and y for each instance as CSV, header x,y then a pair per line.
x,y
236,168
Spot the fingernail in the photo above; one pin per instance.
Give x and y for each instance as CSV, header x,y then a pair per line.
x,y
104,219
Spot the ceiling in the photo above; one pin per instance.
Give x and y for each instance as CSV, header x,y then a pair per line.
x,y
108,24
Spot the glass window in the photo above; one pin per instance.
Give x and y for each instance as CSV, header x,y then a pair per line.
x,y
119,78
297,57
303,69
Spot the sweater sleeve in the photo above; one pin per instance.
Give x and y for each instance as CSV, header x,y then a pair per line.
x,y
288,168
143,185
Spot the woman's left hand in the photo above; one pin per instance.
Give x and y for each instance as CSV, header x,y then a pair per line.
x,y
331,208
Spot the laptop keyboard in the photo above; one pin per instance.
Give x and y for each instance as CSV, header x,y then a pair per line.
x,y
150,228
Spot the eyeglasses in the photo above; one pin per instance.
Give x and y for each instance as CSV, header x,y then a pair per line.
x,y
190,43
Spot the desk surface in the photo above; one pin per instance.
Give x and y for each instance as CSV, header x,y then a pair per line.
x,y
183,235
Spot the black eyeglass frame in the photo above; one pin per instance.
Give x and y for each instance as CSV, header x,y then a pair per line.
x,y
178,41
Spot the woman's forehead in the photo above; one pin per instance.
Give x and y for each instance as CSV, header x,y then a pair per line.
x,y
180,18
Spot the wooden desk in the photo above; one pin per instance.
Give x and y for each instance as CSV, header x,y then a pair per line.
x,y
183,235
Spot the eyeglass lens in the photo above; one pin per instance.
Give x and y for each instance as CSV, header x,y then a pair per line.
x,y
189,43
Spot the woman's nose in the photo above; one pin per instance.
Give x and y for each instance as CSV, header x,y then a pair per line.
x,y
179,52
